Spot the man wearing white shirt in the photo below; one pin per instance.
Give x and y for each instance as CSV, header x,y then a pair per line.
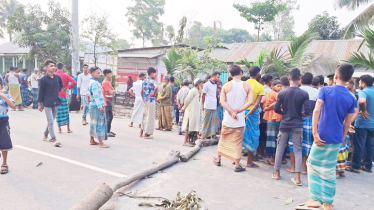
x,y
209,103
82,88
34,81
136,91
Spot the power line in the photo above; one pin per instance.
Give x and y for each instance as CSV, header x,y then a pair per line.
x,y
110,15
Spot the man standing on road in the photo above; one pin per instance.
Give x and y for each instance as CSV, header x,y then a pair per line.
x,y
149,93
191,110
174,91
364,127
98,126
63,109
290,104
236,97
136,91
13,81
252,124
108,92
181,96
34,80
332,117
165,115
209,103
49,87
24,87
82,85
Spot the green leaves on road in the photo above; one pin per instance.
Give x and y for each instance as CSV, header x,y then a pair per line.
x,y
39,164
288,201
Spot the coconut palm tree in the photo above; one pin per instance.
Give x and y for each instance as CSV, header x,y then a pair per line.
x,y
359,58
7,8
366,18
171,61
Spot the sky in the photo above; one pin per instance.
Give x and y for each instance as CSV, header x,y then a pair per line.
x,y
204,11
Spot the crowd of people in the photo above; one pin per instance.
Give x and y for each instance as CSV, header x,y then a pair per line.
x,y
321,126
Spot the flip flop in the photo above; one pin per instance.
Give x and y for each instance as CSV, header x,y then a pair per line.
x,y
289,170
130,126
216,162
297,184
284,162
104,146
350,169
268,163
304,207
253,165
240,169
70,131
57,144
148,137
275,178
95,143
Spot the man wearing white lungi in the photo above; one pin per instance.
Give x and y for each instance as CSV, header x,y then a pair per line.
x,y
136,91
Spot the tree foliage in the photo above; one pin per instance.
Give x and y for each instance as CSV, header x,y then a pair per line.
x,y
260,12
144,17
171,60
360,59
7,8
46,34
284,22
326,26
96,30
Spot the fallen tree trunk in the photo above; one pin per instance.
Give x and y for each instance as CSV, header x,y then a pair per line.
x,y
210,142
184,157
101,194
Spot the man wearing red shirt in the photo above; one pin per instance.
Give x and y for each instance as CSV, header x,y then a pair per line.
x,y
63,109
108,93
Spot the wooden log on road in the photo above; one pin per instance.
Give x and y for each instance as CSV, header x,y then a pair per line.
x,y
101,194
184,157
210,142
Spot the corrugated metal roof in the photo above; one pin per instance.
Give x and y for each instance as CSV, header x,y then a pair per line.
x,y
11,48
340,49
132,55
358,74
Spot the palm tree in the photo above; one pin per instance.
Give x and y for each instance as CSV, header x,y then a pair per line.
x,y
359,58
171,61
276,63
7,8
366,18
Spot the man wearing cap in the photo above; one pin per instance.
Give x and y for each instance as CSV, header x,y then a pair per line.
x,y
191,110
34,82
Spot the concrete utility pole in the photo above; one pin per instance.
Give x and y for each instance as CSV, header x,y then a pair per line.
x,y
75,38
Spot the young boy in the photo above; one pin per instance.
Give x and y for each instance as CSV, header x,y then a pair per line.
x,y
334,111
108,92
98,126
5,141
273,121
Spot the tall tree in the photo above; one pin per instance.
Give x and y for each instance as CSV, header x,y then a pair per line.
x,y
260,12
46,34
363,20
284,22
7,8
96,30
144,16
170,34
326,26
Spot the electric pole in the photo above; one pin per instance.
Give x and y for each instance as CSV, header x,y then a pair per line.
x,y
75,38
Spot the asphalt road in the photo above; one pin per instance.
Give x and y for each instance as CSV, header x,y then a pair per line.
x,y
69,173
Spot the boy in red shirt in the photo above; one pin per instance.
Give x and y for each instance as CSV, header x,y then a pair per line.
x,y
108,93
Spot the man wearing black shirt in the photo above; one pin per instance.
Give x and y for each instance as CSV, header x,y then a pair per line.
x,y
290,104
49,87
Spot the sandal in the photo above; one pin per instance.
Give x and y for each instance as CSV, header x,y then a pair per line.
x,y
216,162
290,171
273,177
269,163
297,184
148,137
4,169
284,162
57,144
253,165
70,131
350,169
240,169
304,207
104,146
94,143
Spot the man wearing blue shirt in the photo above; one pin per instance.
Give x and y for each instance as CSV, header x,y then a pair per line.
x,y
333,114
364,126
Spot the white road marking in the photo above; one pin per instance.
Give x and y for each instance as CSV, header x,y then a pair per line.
x,y
73,162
